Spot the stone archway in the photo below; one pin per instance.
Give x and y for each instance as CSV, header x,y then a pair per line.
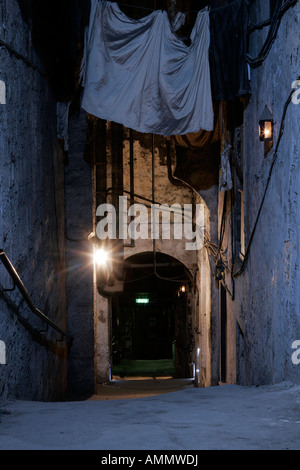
x,y
162,330
152,327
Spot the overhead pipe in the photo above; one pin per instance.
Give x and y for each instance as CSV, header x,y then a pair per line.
x,y
131,244
117,183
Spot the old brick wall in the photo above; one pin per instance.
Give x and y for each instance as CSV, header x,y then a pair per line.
x,y
31,220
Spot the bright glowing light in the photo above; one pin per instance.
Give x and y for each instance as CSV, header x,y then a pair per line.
x,y
266,131
142,301
101,257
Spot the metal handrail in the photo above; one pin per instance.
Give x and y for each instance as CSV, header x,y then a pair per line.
x,y
19,284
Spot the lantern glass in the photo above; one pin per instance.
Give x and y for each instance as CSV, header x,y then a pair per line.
x,y
266,131
266,124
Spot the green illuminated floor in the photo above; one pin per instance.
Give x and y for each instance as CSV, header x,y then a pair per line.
x,y
147,368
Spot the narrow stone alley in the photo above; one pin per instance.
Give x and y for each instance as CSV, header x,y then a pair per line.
x,y
149,225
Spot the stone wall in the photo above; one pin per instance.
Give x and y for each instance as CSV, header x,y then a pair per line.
x,y
31,219
266,305
164,193
79,260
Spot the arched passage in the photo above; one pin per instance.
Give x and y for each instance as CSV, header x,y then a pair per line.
x,y
151,321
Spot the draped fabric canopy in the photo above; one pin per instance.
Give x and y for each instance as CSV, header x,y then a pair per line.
x,y
139,73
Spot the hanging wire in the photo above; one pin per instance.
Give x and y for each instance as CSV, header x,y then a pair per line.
x,y
286,5
169,279
21,57
154,272
232,294
139,278
252,61
134,6
187,216
280,8
222,228
153,222
245,260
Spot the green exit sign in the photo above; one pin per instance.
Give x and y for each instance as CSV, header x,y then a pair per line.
x,y
142,301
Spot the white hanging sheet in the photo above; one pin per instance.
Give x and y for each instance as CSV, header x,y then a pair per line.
x,y
139,73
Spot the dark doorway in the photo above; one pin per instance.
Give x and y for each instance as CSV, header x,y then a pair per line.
x,y
150,333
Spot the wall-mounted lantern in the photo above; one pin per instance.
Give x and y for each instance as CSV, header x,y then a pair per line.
x,y
266,126
266,130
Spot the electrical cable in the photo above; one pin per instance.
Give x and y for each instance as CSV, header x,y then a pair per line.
x,y
177,182
272,34
251,29
247,253
76,239
21,57
153,222
288,4
141,7
139,278
230,270
155,273
232,249
169,279
161,207
222,228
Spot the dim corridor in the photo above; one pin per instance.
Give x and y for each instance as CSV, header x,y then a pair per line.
x,y
158,415
149,226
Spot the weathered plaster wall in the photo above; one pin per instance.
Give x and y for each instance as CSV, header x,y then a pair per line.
x,y
267,294
165,193
208,292
89,314
102,339
31,221
79,260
